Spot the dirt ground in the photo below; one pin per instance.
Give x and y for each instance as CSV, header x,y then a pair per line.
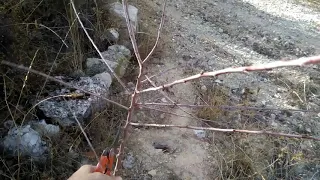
x,y
211,35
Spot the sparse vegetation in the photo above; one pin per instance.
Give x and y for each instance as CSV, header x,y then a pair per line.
x,y
43,35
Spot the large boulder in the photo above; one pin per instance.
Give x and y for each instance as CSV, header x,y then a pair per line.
x,y
78,105
25,141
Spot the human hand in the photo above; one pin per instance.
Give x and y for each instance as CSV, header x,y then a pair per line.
x,y
86,172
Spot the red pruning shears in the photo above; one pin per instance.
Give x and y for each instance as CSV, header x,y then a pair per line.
x,y
107,158
105,164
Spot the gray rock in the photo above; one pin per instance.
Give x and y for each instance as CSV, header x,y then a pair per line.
x,y
200,133
152,172
111,35
83,106
117,57
128,162
164,100
25,141
95,66
60,112
117,9
116,14
218,81
204,88
45,129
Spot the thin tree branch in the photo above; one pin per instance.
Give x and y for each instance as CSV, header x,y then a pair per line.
x,y
224,107
97,49
61,82
227,130
134,97
131,33
159,32
260,67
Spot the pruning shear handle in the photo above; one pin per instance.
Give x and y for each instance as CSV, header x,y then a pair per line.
x,y
105,164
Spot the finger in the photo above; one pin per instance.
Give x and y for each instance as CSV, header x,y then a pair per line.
x,y
118,178
87,168
99,176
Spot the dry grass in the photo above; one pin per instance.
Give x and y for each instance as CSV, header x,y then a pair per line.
x,y
240,156
28,42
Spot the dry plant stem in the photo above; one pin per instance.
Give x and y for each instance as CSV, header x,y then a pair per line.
x,y
227,130
6,100
131,33
61,82
223,107
96,48
135,94
269,66
26,79
41,25
159,32
139,78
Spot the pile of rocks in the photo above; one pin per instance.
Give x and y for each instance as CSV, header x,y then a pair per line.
x,y
29,139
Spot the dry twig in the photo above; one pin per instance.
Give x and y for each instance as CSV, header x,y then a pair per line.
x,y
134,97
159,32
227,130
260,67
61,82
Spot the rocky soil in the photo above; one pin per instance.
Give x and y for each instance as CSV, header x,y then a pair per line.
x,y
211,35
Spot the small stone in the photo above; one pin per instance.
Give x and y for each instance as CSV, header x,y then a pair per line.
x,y
220,30
128,162
45,129
162,116
105,78
164,100
111,35
211,62
218,81
274,124
204,88
264,103
200,133
277,95
152,172
263,79
273,117
225,36
308,130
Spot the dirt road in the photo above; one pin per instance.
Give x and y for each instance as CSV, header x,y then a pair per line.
x,y
211,35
